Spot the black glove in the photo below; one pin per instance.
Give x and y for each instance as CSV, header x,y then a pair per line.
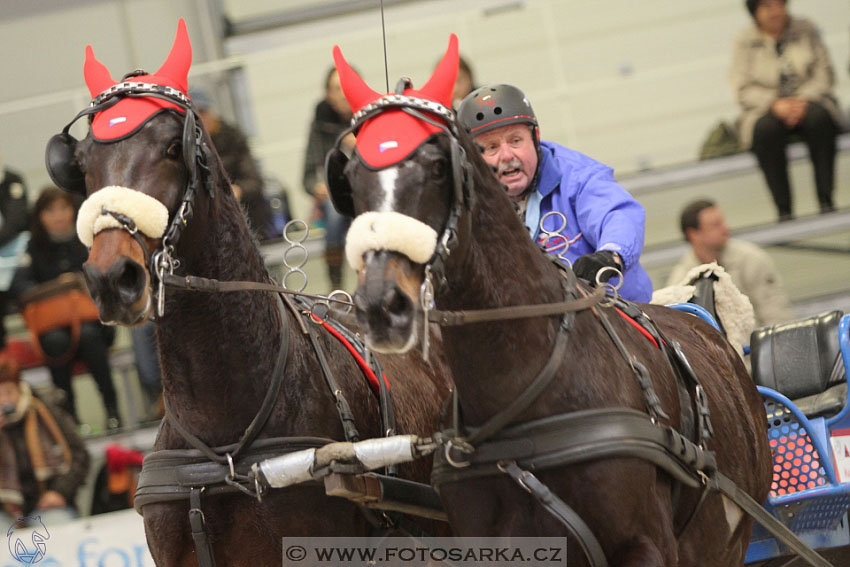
x,y
587,266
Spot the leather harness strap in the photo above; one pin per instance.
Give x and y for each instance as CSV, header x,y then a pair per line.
x,y
577,437
558,508
175,475
198,523
529,395
779,530
342,407
456,318
442,318
170,474
263,413
601,434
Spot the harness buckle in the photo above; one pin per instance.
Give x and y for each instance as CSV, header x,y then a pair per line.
x,y
236,481
258,489
230,464
447,453
519,478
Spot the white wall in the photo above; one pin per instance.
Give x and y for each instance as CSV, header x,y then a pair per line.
x,y
42,49
634,84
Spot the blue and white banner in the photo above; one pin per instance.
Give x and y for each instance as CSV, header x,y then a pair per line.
x,y
108,540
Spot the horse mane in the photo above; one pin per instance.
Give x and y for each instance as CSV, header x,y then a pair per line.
x,y
217,243
230,225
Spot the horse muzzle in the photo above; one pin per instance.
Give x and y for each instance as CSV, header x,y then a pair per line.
x,y
118,282
386,301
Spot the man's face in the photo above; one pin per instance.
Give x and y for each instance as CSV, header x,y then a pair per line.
x,y
712,232
510,150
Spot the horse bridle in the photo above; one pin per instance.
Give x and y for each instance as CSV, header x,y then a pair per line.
x,y
424,110
65,171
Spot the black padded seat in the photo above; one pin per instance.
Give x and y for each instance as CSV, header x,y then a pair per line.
x,y
802,360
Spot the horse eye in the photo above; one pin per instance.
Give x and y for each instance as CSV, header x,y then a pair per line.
x,y
174,150
438,169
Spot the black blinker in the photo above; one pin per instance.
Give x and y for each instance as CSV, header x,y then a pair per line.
x,y
338,186
62,165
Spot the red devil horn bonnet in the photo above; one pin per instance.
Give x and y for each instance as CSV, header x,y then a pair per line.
x,y
392,135
128,115
97,75
357,92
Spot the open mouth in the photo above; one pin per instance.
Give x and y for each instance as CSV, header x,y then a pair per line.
x,y
510,173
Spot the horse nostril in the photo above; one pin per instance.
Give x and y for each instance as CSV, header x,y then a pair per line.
x,y
128,278
93,277
396,303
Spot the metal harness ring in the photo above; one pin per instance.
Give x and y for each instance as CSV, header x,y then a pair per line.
x,y
447,453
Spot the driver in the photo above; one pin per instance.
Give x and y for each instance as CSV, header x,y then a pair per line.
x,y
604,223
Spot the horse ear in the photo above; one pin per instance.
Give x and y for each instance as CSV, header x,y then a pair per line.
x,y
439,87
357,92
97,75
176,66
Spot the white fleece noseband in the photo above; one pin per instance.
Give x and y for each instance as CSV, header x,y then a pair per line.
x,y
389,231
150,216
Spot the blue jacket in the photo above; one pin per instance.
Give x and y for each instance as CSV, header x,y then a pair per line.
x,y
600,214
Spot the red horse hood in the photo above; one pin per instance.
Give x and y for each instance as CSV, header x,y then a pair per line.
x,y
393,135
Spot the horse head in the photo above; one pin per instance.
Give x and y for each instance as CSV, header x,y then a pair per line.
x,y
407,184
140,167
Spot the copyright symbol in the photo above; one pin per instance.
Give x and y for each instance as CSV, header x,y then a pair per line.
x,y
295,553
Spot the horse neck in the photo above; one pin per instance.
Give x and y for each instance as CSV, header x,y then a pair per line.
x,y
217,350
493,362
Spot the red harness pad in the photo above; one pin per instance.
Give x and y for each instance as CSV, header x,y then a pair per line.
x,y
367,370
639,327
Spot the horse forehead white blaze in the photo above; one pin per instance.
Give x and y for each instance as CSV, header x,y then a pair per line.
x,y
387,179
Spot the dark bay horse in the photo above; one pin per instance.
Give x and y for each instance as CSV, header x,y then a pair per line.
x,y
218,351
634,509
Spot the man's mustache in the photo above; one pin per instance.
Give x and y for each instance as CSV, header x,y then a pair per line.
x,y
513,164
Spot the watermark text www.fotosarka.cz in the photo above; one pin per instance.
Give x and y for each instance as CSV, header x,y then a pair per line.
x,y
412,552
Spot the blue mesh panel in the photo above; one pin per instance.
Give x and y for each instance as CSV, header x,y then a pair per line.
x,y
815,514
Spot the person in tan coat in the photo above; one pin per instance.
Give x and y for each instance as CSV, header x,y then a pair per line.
x,y
752,270
784,82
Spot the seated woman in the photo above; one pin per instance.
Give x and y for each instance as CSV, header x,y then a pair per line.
x,y
54,249
784,81
42,459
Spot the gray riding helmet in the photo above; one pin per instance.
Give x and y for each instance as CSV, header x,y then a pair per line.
x,y
494,106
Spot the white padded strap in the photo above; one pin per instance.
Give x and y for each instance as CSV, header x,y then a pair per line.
x,y
150,216
389,231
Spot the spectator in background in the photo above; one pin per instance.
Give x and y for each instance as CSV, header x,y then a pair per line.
x,y
784,81
53,250
42,459
243,170
464,83
752,270
332,116
13,224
